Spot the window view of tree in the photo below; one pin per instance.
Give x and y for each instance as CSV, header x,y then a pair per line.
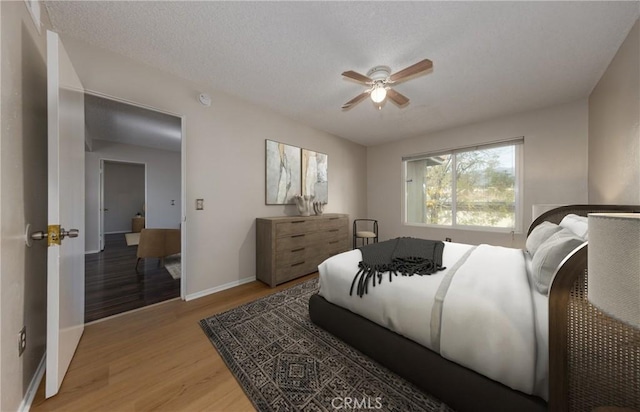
x,y
466,188
439,191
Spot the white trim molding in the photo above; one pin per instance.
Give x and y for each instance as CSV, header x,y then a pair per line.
x,y
219,288
30,394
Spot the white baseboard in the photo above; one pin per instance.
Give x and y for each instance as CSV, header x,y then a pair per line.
x,y
25,405
219,288
117,232
89,252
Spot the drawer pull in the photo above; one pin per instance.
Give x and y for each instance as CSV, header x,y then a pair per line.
x,y
298,264
334,218
334,242
298,221
298,235
334,230
298,250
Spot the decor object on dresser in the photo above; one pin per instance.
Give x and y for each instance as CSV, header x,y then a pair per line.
x,y
158,243
290,247
315,181
318,207
282,173
365,233
284,362
304,203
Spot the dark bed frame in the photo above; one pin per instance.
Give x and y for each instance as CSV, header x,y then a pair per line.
x,y
461,388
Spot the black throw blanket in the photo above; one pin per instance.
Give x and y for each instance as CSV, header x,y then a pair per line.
x,y
404,255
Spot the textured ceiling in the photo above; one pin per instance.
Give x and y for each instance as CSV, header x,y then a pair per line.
x,y
490,58
123,123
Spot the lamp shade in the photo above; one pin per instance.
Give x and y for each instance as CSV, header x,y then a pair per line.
x,y
614,265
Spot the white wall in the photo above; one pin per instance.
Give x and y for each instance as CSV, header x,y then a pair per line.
x,y
23,194
123,195
163,185
614,128
555,168
225,162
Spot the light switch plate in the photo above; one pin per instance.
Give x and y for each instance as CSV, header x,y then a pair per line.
x,y
199,204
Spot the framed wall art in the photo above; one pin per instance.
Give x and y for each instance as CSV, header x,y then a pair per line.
x,y
282,173
315,179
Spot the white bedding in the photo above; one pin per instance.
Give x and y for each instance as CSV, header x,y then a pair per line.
x,y
492,321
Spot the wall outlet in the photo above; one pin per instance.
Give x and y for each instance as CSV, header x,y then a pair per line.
x,y
447,239
22,340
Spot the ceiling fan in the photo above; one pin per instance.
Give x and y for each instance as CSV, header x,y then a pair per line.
x,y
379,79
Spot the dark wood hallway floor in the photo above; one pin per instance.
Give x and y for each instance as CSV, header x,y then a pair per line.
x,y
112,285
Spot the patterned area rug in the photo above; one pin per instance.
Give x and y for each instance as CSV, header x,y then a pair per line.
x,y
132,238
173,264
286,363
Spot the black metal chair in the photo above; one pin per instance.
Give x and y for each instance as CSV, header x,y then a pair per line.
x,y
368,230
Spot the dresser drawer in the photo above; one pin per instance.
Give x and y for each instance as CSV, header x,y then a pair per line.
x,y
290,257
290,247
333,233
295,270
335,222
310,239
287,256
296,226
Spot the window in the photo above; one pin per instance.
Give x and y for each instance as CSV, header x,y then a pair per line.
x,y
466,188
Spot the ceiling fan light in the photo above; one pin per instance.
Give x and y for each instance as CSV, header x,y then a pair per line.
x,y
378,94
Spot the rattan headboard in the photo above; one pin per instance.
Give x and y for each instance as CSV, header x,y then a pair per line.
x,y
594,360
556,215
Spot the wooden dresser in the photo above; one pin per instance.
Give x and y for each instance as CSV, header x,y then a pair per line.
x,y
290,247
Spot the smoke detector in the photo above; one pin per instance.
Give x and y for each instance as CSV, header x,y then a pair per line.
x,y
204,99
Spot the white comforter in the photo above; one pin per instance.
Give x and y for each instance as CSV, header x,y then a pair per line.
x,y
488,315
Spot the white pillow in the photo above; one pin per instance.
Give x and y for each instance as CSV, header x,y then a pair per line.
x,y
549,255
577,224
539,234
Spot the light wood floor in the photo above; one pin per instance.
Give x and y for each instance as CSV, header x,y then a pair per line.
x,y
157,359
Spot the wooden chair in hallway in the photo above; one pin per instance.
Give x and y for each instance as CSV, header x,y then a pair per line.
x,y
158,243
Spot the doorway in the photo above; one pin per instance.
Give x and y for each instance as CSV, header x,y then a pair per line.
x,y
134,182
122,199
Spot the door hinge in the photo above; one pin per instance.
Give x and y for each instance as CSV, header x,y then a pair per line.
x,y
53,235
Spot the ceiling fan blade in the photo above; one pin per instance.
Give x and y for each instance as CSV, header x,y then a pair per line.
x,y
399,99
355,100
419,67
360,78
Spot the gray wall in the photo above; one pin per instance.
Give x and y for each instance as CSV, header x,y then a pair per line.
x,y
225,163
163,185
23,194
614,131
123,195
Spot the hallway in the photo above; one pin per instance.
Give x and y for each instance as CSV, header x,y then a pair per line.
x,y
112,285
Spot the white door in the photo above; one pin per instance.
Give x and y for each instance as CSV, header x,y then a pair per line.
x,y
102,209
65,261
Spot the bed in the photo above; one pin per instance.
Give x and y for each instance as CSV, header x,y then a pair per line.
x,y
494,357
